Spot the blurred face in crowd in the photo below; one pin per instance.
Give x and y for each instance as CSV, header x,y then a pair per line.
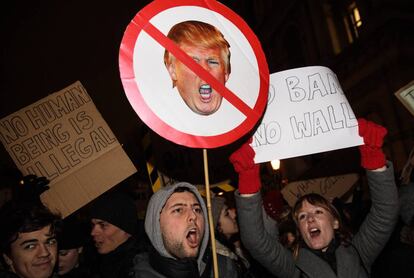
x,y
107,237
33,254
290,239
182,225
316,225
68,259
227,223
199,96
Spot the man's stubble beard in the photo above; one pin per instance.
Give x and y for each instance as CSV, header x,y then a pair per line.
x,y
176,249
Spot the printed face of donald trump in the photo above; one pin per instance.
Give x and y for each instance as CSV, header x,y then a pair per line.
x,y
207,46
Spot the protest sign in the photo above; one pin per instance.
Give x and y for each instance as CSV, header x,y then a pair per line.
x,y
170,111
406,96
64,138
307,112
329,187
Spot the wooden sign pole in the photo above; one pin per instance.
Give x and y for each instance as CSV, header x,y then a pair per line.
x,y
210,214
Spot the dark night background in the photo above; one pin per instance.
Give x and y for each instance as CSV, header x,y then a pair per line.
x,y
47,45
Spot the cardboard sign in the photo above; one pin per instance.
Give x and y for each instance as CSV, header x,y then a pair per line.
x,y
406,96
148,82
64,138
329,187
307,112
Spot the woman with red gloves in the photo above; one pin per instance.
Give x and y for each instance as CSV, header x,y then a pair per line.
x,y
323,249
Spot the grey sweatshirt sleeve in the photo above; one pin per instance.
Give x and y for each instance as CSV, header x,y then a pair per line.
x,y
382,217
264,247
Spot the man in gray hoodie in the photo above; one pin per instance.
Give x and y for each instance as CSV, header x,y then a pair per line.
x,y
176,224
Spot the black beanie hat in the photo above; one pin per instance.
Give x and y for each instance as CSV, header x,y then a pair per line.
x,y
118,209
73,234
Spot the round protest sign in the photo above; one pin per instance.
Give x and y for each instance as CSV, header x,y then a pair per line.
x,y
194,72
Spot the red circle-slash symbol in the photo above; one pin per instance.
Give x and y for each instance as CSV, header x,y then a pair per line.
x,y
141,22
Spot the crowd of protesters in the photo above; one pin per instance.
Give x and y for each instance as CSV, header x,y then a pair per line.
x,y
259,236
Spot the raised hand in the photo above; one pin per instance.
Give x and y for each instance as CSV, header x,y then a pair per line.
x,y
372,156
243,162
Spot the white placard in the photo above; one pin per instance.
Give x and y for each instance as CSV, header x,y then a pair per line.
x,y
406,96
307,112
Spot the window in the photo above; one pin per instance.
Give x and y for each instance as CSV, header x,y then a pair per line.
x,y
353,22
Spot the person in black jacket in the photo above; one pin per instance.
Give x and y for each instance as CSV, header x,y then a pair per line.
x,y
28,230
71,240
28,240
114,227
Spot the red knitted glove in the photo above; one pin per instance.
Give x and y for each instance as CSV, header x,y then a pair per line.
x,y
243,163
372,156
